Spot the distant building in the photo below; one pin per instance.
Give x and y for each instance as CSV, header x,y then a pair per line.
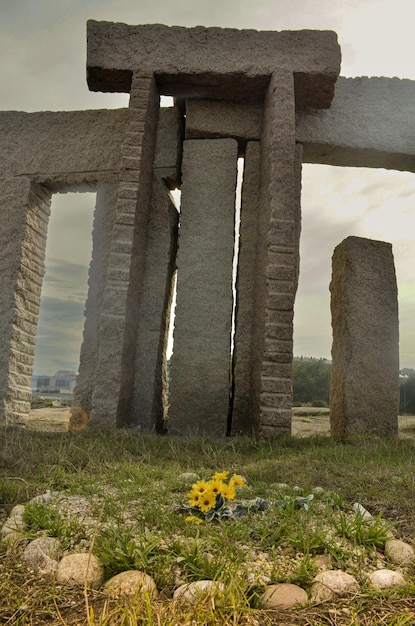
x,y
63,381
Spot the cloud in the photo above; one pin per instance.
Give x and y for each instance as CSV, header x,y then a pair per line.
x,y
59,335
337,203
61,319
65,280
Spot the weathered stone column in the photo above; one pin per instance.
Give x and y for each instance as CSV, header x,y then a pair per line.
x,y
158,262
364,390
111,400
22,265
277,262
242,422
148,409
200,367
104,217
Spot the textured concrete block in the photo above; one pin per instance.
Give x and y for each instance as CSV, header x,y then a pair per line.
x,y
186,60
364,392
61,142
209,119
369,124
200,367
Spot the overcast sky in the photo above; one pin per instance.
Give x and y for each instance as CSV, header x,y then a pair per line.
x,y
43,67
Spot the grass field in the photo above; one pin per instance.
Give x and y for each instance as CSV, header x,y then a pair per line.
x,y
137,493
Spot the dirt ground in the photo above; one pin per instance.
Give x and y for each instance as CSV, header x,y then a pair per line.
x,y
307,421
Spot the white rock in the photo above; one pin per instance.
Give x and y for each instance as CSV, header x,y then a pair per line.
x,y
17,510
198,591
332,583
41,554
399,552
131,583
360,510
13,538
13,524
44,497
386,579
283,596
78,569
188,478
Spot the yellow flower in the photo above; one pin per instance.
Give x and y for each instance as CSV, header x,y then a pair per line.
x,y
192,519
194,498
201,486
216,486
220,476
228,491
237,480
207,501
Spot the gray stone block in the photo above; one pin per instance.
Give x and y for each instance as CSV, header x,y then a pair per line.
x,y
200,366
210,119
187,60
364,391
149,406
369,124
242,421
279,196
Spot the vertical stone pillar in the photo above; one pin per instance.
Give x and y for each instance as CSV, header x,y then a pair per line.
x,y
104,217
364,390
200,367
148,410
285,270
22,265
111,400
242,422
277,262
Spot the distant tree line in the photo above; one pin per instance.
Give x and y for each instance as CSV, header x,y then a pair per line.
x,y
407,393
311,385
311,382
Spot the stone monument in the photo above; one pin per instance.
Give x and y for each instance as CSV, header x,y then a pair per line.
x,y
273,99
364,393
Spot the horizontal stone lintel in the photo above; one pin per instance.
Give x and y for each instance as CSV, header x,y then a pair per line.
x,y
184,59
346,134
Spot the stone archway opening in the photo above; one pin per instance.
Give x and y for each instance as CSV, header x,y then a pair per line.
x,y
61,321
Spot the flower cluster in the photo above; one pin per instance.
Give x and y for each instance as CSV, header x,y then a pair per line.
x,y
209,497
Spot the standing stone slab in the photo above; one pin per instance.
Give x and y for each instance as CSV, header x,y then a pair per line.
x,y
111,398
277,256
365,371
104,216
199,388
245,290
148,409
26,209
